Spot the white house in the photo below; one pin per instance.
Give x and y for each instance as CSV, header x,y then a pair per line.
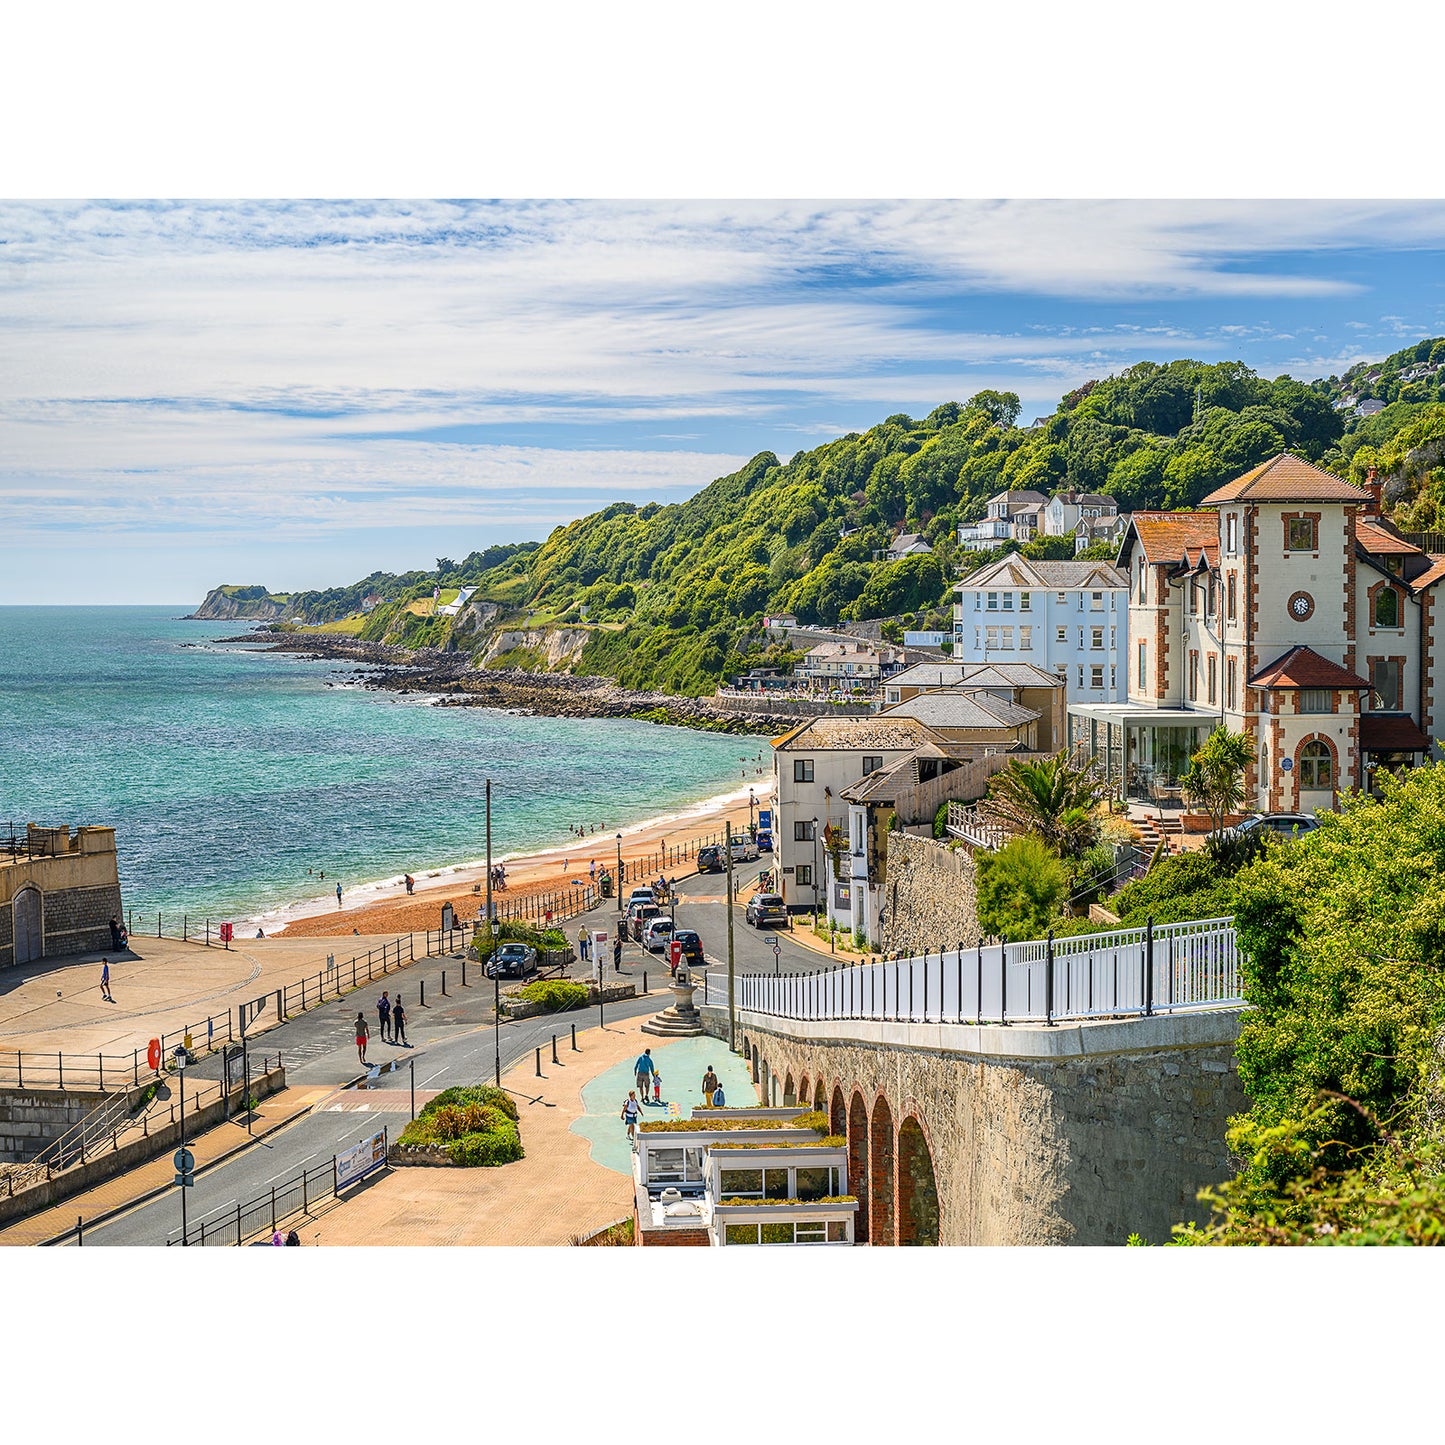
x,y
997,525
1065,510
1067,617
907,544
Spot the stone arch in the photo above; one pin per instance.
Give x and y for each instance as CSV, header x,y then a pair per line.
x,y
27,925
881,1175
804,1094
858,1163
1313,742
838,1111
820,1099
918,1213
790,1092
756,1075
775,1091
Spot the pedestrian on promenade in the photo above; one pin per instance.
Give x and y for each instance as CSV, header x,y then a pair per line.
x,y
105,980
584,948
277,1239
398,1023
656,1087
115,944
617,952
338,895
362,1034
293,1238
643,1070
709,1086
383,1017
631,1111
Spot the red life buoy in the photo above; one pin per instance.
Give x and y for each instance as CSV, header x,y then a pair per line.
x,y
153,1053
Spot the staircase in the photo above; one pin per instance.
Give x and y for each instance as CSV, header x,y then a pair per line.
x,y
1156,830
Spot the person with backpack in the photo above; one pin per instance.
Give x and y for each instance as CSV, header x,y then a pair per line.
x,y
383,1016
709,1086
631,1112
643,1070
398,1023
362,1034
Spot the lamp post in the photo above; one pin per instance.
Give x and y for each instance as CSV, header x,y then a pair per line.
x,y
752,827
619,872
496,1001
181,1076
815,873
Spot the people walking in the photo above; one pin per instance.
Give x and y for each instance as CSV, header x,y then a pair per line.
x,y
398,1023
115,943
338,895
105,980
656,1087
363,1033
643,1070
410,883
709,1086
383,1017
631,1112
584,951
617,952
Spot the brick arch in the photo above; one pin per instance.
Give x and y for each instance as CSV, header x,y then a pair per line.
x,y
754,1061
1304,742
820,1099
790,1091
858,1163
1385,585
919,1217
882,1174
838,1112
804,1095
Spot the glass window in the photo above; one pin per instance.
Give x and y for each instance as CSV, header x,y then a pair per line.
x,y
1008,639
1061,634
1141,580
1096,638
1387,607
780,1232
1194,677
992,603
804,875
1302,535
739,1183
775,1184
1096,601
811,1231
665,1166
1385,683
1026,601
1315,699
1230,595
1316,766
815,1182
991,638
1096,676
741,1234
1231,538
837,1231
802,770
1008,602
1230,677
1026,639
802,831
1212,670
1143,663
871,764
1063,596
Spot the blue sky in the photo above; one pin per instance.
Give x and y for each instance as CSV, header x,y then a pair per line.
x,y
296,393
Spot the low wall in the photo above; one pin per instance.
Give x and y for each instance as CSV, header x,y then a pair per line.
x,y
931,895
138,1150
1078,1134
763,705
31,1118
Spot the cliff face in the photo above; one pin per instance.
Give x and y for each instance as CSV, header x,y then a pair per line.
x,y
229,602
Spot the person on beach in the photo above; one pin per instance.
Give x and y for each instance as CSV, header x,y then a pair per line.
x,y
643,1070
398,1023
709,1086
383,1016
105,980
363,1032
591,870
631,1112
338,895
410,883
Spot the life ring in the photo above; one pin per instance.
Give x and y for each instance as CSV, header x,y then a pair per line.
x,y
153,1054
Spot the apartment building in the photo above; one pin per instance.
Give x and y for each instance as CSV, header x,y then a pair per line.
x,y
1289,609
1066,617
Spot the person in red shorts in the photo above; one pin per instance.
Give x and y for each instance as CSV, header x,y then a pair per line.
x,y
362,1034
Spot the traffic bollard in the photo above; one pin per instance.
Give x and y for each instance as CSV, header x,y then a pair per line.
x,y
539,1062
423,993
554,1049
575,1049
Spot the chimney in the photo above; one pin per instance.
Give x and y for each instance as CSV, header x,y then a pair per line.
x,y
1376,489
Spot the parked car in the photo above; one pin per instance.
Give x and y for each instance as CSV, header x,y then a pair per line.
x,y
765,840
639,914
1285,825
710,859
691,947
641,894
765,908
512,960
657,934
744,850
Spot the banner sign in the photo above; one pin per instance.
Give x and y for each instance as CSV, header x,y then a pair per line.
x,y
361,1159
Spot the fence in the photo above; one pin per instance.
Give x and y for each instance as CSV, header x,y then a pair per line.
x,y
1129,972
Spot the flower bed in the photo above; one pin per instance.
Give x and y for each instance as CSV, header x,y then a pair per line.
x,y
472,1127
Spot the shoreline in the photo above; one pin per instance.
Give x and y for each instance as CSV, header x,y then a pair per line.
x,y
384,906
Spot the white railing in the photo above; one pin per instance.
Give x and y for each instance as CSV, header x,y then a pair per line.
x,y
1128,972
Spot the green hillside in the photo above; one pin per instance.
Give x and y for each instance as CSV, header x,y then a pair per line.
x,y
673,596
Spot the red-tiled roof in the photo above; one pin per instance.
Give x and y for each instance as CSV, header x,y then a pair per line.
x,y
1175,536
1304,667
1392,734
1381,540
1287,478
1428,579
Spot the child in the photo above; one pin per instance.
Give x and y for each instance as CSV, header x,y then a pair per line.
x,y
630,1113
656,1087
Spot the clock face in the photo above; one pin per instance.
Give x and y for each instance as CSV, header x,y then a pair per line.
x,y
1301,605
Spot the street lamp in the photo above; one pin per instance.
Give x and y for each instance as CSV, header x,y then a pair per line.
x,y
496,999
181,1076
619,872
815,873
752,827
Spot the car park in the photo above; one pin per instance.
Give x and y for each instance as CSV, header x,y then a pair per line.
x,y
512,960
657,934
766,908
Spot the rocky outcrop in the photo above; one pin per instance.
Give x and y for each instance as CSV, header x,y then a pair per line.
x,y
552,646
225,603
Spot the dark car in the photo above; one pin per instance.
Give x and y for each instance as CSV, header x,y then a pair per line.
x,y
1283,825
765,840
710,860
765,908
691,947
512,960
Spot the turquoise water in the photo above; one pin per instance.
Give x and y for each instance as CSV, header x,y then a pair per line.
x,y
228,772
682,1065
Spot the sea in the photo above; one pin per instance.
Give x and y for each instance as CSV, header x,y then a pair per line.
x,y
228,771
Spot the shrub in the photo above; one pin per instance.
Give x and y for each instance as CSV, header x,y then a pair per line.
x,y
502,1145
813,1119
940,821
1020,889
555,994
473,1094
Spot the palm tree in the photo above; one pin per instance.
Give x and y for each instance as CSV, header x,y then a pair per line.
x,y
1052,799
1215,777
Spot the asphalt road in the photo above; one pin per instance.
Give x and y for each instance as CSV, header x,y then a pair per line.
x,y
452,1041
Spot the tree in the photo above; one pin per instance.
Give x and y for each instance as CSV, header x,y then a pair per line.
x,y
1001,407
1051,799
1214,780
1020,889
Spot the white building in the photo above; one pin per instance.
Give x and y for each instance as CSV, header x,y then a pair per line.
x,y
998,524
907,544
1067,617
1065,510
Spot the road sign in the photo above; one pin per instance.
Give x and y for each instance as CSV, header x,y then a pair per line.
x,y
777,948
185,1181
184,1161
765,818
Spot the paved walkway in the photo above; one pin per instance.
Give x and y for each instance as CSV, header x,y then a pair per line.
x,y
556,1192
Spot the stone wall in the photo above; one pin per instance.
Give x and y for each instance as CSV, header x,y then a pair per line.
x,y
930,894
79,888
31,1118
1070,1135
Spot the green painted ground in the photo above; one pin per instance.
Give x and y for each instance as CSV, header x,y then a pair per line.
x,y
682,1065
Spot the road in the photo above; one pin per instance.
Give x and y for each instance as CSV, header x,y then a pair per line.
x,y
453,1041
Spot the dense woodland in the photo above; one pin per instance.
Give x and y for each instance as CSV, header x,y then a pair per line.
x,y
674,595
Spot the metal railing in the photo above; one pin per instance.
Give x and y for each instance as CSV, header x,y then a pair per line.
x,y
1125,973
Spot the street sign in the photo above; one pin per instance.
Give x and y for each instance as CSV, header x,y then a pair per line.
x,y
184,1161
765,818
449,920
777,948
185,1181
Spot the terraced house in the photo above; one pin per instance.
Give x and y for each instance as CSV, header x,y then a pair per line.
x,y
1289,608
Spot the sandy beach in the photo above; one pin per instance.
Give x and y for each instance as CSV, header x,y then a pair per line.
x,y
382,908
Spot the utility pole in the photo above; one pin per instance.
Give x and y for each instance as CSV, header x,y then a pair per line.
x,y
732,974
492,956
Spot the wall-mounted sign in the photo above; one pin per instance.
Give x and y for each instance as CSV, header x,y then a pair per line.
x,y
1286,764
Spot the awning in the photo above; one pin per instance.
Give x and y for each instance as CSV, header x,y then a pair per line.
x,y
1392,735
